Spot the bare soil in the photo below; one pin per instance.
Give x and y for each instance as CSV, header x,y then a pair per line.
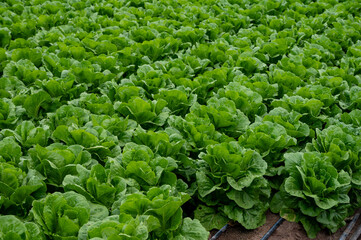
x,y
286,231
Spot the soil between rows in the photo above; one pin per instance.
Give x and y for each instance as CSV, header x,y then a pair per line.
x,y
287,231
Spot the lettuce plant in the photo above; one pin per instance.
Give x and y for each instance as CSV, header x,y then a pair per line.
x,y
290,121
12,227
342,148
197,131
146,113
246,100
115,227
19,189
28,135
270,139
10,151
315,193
139,163
9,113
56,161
164,143
223,114
227,169
97,184
163,111
97,140
61,215
160,210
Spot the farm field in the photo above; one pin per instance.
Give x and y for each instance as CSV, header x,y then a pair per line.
x,y
286,231
168,119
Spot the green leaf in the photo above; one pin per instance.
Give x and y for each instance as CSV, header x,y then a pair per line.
x,y
5,36
192,230
62,214
205,184
12,227
210,218
249,218
142,172
10,151
34,102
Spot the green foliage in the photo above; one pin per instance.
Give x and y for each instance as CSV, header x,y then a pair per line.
x,y
13,228
177,116
123,226
19,189
61,215
237,173
314,192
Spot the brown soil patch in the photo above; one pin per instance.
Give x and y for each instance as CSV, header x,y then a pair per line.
x,y
287,231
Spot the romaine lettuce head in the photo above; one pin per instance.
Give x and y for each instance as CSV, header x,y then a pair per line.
x,y
61,215
315,193
116,227
18,189
12,228
227,169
